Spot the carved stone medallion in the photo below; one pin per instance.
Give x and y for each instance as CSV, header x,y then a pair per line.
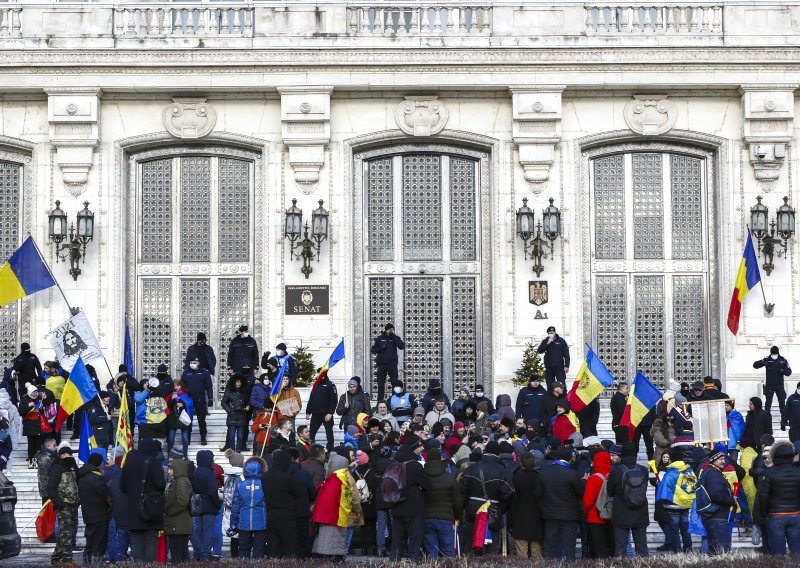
x,y
189,118
421,116
650,115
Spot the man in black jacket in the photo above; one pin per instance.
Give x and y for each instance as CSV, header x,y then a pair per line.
x,y
719,491
778,499
320,408
204,483
142,474
27,367
243,351
553,399
197,382
281,490
560,505
627,482
530,404
791,415
303,502
201,352
385,349
487,478
556,357
757,422
775,367
95,508
617,404
408,515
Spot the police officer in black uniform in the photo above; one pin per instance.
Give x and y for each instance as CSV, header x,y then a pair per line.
x,y
385,351
556,358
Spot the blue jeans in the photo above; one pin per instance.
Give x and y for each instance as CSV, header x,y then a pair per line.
x,y
217,550
678,522
783,529
205,536
438,538
235,438
719,535
184,438
119,540
383,522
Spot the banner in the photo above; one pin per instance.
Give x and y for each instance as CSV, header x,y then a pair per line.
x,y
74,338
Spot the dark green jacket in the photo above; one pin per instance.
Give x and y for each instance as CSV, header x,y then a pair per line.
x,y
177,519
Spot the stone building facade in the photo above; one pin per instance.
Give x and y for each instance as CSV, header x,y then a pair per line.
x,y
190,128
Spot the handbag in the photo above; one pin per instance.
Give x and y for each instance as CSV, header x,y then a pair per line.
x,y
196,505
44,425
151,505
183,418
495,519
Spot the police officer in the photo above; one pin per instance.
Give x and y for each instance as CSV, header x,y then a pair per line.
x,y
776,368
385,351
243,351
197,382
556,358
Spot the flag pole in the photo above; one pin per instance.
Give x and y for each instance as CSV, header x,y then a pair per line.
x,y
71,309
768,308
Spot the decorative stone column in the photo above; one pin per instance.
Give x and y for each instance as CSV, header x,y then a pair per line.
x,y
537,130
306,129
72,113
768,121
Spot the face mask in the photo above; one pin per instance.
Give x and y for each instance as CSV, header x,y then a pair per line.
x,y
773,357
549,336
194,366
397,390
245,334
280,353
798,392
478,393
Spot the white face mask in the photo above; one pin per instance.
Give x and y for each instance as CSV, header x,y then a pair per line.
x,y
773,357
397,390
798,392
280,353
550,336
194,366
478,393
245,334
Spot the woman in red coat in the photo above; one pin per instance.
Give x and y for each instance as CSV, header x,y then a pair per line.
x,y
564,424
601,533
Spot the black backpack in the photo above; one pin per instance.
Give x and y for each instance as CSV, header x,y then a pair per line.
x,y
634,487
393,482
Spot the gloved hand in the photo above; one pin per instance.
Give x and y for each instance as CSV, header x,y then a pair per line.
x,y
231,532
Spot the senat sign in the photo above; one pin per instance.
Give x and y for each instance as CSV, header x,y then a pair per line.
x,y
306,300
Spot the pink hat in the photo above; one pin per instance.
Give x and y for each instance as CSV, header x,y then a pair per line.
x,y
362,458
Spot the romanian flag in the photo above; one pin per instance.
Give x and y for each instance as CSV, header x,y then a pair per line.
x,y
124,437
746,280
677,485
334,500
23,274
46,522
276,384
336,356
87,442
128,349
481,534
641,399
593,378
78,391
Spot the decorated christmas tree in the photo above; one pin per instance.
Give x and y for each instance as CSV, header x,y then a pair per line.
x,y
305,363
531,366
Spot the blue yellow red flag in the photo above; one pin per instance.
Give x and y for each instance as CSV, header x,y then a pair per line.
x,y
24,274
593,378
78,391
746,279
642,397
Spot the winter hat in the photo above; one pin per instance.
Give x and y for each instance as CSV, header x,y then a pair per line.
x,y
153,383
431,443
715,456
201,336
465,389
675,454
234,458
373,422
698,385
362,457
494,418
564,454
708,381
577,439
64,449
478,387
352,383
388,326
458,425
31,388
772,350
95,460
721,448
434,454
492,448
104,394
446,422
176,454
508,423
629,449
419,411
162,368
122,369
281,346
413,441
352,430
25,347
416,428
559,385
243,327
505,447
674,386
616,450
590,441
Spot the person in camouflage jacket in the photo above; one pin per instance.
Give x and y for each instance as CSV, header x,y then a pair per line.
x,y
44,460
62,490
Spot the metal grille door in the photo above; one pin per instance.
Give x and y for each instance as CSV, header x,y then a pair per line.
x,y
10,190
650,265
195,267
422,259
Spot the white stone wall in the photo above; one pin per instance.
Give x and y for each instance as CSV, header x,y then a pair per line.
x,y
588,77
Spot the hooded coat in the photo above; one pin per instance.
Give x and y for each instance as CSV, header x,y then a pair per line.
x,y
504,408
234,402
331,539
757,422
14,419
562,426
443,498
177,518
280,487
524,520
779,490
119,501
602,469
131,482
7,384
249,510
358,404
412,503
434,390
95,496
204,482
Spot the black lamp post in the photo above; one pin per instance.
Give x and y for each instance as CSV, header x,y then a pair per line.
x,y
534,245
310,246
75,249
765,231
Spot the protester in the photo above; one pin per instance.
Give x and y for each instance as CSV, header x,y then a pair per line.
x,y
443,505
43,460
778,499
618,403
561,504
627,484
408,508
248,512
95,500
524,520
236,405
62,490
601,532
143,476
280,491
204,483
676,493
716,507
178,523
352,403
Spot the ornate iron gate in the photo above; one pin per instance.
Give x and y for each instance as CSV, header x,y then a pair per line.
x,y
650,264
422,264
10,190
195,269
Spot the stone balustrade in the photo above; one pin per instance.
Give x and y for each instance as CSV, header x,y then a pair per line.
x,y
10,25
662,18
425,19
233,20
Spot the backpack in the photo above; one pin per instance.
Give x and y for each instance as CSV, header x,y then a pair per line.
x,y
364,494
634,487
196,505
604,503
393,483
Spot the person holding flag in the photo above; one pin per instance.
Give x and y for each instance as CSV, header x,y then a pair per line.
x,y
642,397
78,391
124,436
592,379
676,491
323,399
287,393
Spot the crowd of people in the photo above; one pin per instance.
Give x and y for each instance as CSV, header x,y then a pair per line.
x,y
411,476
